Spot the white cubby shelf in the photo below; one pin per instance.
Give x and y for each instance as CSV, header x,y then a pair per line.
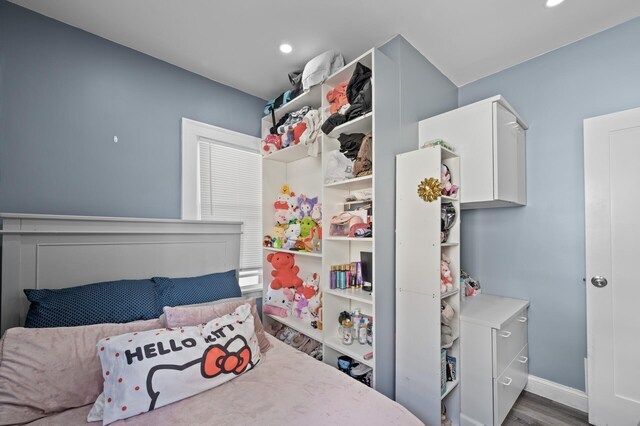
x,y
418,254
357,294
297,253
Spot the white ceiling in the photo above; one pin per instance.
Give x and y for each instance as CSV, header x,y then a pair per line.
x,y
236,42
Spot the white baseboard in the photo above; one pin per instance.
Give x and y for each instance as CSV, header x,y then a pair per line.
x,y
559,393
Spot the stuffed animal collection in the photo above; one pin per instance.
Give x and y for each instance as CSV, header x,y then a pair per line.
x,y
298,222
288,294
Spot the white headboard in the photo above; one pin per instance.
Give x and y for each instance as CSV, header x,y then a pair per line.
x,y
51,252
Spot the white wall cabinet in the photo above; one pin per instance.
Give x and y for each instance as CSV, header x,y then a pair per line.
x,y
489,136
495,359
418,296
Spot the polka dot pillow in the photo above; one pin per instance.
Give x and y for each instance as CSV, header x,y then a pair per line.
x,y
150,369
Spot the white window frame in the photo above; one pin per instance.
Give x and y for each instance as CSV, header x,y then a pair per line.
x,y
192,132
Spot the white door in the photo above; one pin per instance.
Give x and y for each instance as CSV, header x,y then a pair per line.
x,y
612,195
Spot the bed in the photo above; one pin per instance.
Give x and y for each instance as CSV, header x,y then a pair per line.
x,y
287,387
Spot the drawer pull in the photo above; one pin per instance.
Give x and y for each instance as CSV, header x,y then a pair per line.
x,y
523,359
505,334
522,319
509,380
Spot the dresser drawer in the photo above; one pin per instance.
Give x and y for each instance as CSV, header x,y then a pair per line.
x,y
508,342
509,385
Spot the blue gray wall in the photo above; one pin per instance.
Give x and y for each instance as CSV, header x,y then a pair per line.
x,y
537,252
424,92
64,95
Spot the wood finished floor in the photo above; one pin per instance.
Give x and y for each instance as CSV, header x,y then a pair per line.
x,y
534,410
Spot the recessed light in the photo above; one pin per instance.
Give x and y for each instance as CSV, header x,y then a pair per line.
x,y
286,48
553,3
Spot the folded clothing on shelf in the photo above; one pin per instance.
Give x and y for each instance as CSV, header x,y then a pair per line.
x,y
293,120
337,97
350,144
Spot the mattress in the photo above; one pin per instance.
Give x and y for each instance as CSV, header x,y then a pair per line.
x,y
287,387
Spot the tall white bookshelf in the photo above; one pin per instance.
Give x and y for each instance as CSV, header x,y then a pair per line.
x,y
306,175
418,297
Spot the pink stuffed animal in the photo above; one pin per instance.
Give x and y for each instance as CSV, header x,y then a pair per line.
x,y
302,307
448,189
278,302
271,144
446,280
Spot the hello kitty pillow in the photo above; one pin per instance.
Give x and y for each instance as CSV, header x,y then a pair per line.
x,y
150,369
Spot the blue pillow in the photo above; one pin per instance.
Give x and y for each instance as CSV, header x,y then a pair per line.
x,y
191,291
105,302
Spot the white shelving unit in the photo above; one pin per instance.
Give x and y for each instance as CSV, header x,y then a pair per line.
x,y
418,297
294,167
306,175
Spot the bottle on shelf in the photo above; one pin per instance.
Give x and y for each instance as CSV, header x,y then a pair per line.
x,y
362,332
370,332
347,332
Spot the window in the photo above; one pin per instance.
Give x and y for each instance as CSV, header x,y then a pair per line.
x,y
222,180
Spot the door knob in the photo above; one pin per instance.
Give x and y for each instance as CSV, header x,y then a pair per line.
x,y
599,281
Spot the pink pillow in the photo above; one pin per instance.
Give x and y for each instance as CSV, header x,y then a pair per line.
x,y
148,370
47,370
184,316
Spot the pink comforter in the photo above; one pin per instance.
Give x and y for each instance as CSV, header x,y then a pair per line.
x,y
287,388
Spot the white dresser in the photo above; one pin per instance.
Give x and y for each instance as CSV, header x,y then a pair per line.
x,y
494,357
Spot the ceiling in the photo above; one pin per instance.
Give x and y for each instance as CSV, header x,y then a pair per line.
x,y
236,42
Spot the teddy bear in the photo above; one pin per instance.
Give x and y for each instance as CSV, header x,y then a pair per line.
x,y
448,189
446,280
446,332
446,336
291,235
285,271
306,225
446,313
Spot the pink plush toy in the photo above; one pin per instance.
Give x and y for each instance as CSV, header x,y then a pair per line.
x,y
446,281
448,189
285,272
278,302
271,144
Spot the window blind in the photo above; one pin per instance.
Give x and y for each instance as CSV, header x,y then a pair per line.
x,y
231,189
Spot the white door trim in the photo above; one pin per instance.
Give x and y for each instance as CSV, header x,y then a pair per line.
x,y
192,132
611,346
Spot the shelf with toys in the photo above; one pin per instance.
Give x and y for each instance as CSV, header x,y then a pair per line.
x,y
426,194
299,253
325,171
